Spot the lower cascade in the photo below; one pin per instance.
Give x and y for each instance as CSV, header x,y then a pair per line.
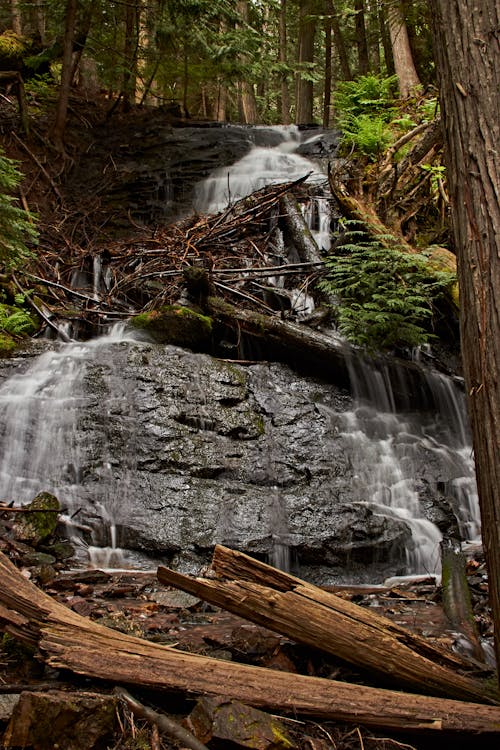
x,y
157,454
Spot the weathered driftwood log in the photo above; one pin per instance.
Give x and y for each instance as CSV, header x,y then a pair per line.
x,y
69,641
309,615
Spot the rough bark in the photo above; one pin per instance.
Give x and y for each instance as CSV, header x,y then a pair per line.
x,y
305,88
323,620
401,51
69,641
247,93
283,58
361,40
467,53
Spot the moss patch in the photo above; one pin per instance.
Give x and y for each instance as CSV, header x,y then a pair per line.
x,y
177,325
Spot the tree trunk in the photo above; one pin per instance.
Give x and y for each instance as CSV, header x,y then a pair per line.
x,y
361,40
467,53
247,93
283,58
68,641
338,38
386,41
66,73
327,90
15,16
401,51
323,620
305,58
130,55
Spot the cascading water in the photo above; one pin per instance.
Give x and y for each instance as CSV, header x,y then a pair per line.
x,y
43,448
40,410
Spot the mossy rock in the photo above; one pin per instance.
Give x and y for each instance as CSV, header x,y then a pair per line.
x,y
177,325
12,50
7,345
34,528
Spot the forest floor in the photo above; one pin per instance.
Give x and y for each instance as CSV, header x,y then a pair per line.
x,y
134,602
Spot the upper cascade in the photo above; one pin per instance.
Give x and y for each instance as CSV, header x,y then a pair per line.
x,y
260,167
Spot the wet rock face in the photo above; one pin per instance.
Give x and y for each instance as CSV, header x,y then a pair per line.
x,y
151,168
191,451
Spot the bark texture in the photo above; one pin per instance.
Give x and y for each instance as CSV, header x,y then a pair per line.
x,y
401,51
467,53
320,619
69,641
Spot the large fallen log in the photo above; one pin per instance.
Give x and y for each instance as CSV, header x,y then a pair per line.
x,y
319,353
309,615
69,641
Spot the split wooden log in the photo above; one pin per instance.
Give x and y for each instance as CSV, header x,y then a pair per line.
x,y
69,641
309,615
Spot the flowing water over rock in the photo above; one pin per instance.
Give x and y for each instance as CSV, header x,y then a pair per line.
x,y
165,453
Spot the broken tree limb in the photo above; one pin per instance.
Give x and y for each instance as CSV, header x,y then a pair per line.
x,y
69,641
457,603
298,231
323,620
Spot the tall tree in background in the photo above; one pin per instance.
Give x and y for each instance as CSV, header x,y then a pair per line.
x,y
16,20
404,66
361,39
283,59
466,48
66,73
305,58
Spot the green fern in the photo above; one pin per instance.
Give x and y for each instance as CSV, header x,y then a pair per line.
x,y
17,230
16,321
386,296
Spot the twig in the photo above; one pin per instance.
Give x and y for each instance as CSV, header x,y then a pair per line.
x,y
40,166
6,509
164,723
39,312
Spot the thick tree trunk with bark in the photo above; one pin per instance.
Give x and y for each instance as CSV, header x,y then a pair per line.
x,y
401,51
340,45
361,39
305,88
467,53
68,641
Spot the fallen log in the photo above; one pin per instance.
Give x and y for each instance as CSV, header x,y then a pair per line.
x,y
68,641
309,615
317,352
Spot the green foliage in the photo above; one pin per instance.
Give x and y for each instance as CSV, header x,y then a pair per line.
x,y
385,295
364,109
16,228
16,321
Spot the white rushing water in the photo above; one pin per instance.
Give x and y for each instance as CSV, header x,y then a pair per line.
x,y
39,412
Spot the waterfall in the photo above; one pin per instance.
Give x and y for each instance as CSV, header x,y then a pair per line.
x,y
40,410
384,448
257,169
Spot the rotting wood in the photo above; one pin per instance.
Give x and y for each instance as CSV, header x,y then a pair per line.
x,y
457,603
69,641
309,615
